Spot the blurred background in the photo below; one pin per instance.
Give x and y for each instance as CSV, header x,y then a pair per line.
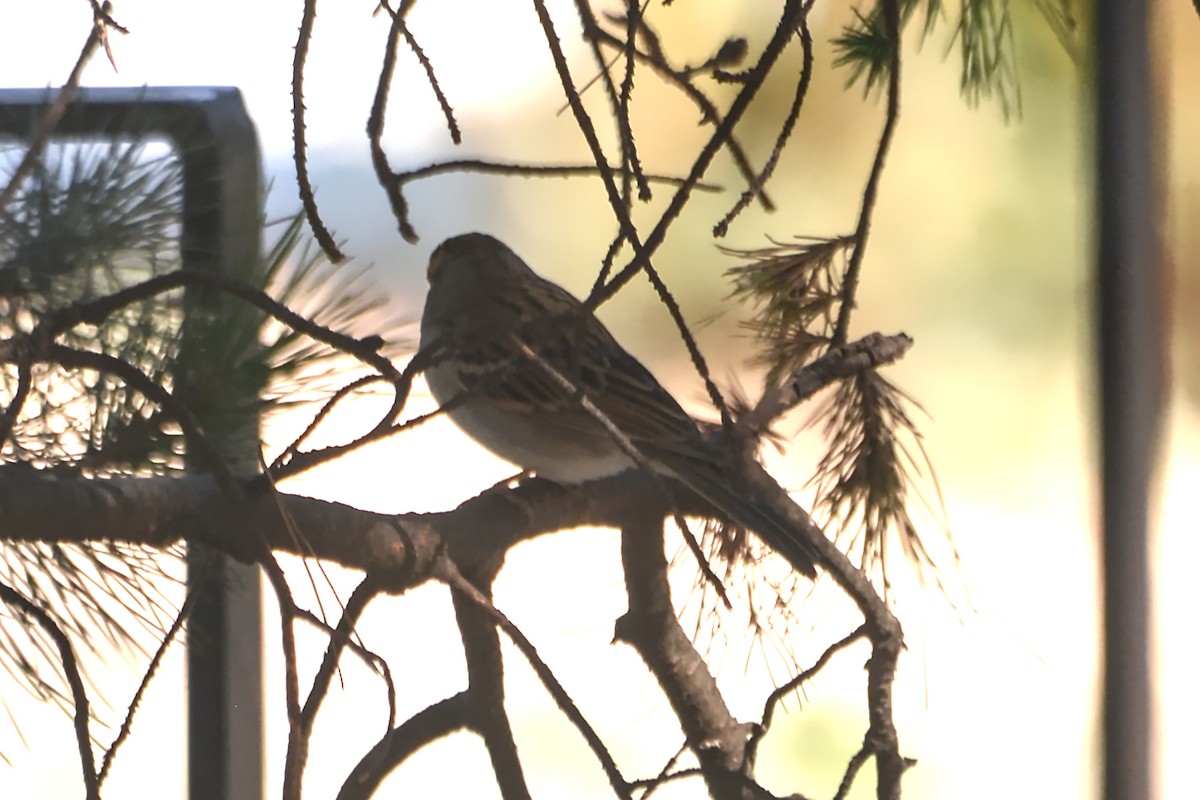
x,y
980,250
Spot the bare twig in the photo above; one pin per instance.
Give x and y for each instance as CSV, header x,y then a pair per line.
x,y
891,15
872,351
356,604
429,724
322,414
430,75
631,168
533,170
70,665
785,132
630,449
776,697
301,726
446,571
369,657
708,109
24,380
101,22
300,145
151,670
379,159
721,135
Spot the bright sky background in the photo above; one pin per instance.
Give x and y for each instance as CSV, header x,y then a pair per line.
x,y
978,252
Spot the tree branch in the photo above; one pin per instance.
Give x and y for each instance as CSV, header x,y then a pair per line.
x,y
651,627
70,665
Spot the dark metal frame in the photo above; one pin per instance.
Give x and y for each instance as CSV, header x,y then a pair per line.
x,y
1129,338
221,226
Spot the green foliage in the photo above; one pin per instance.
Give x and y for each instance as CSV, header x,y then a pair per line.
x,y
874,465
92,219
795,289
982,37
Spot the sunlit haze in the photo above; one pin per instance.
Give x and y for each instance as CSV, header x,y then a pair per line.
x,y
979,251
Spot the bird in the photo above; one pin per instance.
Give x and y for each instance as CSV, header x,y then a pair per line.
x,y
516,360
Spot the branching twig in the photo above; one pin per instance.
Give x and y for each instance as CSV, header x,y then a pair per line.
x,y
301,726
872,351
101,22
446,571
707,108
721,135
322,414
785,132
339,638
776,697
369,657
379,159
430,75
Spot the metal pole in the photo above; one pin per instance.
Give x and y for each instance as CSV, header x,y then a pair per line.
x,y
1131,367
220,230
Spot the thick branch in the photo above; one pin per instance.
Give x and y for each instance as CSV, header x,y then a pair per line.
x,y
158,512
485,670
651,627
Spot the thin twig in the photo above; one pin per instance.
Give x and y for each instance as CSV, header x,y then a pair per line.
x,y
369,657
100,22
385,427
776,697
427,65
708,110
854,269
532,170
630,449
70,665
24,381
151,670
322,414
356,604
308,197
721,135
785,132
447,572
719,138
379,159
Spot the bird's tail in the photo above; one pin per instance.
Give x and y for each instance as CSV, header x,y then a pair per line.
x,y
774,528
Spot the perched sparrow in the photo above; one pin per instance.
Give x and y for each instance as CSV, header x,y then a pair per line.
x,y
500,334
